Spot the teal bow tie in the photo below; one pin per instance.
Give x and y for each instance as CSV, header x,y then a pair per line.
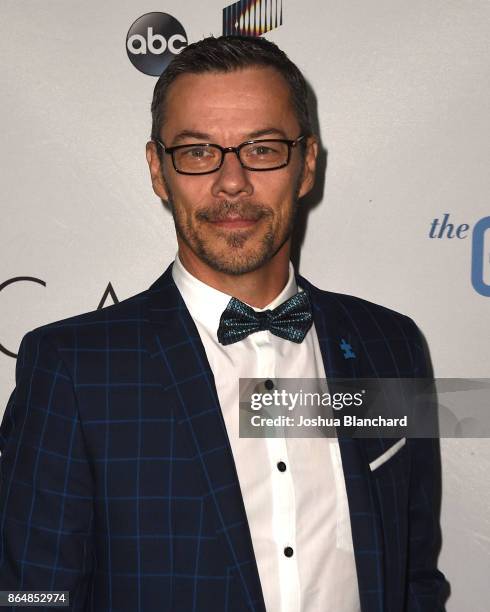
x,y
291,320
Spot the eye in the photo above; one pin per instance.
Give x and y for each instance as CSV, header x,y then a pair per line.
x,y
262,150
198,152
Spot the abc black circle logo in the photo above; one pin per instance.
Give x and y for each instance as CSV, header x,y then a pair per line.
x,y
153,40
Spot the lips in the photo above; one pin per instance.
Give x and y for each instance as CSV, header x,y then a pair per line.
x,y
234,222
237,215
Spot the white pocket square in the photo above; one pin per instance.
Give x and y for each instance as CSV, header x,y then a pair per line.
x,y
374,465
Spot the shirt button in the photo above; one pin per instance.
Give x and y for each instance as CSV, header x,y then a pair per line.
x,y
288,551
269,385
281,466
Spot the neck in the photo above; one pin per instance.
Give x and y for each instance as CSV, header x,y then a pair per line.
x,y
257,288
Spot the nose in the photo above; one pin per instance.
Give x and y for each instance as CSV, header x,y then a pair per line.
x,y
232,180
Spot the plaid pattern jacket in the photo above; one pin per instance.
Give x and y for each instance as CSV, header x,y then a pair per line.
x,y
118,484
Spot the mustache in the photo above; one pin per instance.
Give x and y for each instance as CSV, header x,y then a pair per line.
x,y
223,210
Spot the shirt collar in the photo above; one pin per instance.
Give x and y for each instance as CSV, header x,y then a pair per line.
x,y
207,304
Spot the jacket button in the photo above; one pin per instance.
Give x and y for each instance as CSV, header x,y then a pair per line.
x,y
269,385
288,551
281,466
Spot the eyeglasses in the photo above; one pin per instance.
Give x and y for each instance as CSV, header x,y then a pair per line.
x,y
257,155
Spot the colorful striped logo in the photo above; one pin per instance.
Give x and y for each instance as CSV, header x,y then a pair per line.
x,y
252,17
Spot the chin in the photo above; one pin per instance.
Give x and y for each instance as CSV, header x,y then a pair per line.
x,y
235,264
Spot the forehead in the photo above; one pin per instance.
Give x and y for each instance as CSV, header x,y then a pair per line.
x,y
232,104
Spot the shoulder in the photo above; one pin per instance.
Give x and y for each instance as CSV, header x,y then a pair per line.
x,y
384,335
360,313
97,327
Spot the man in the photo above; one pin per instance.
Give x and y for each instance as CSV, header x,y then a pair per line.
x,y
123,478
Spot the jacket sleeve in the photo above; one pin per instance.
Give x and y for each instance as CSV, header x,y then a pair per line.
x,y
427,588
46,481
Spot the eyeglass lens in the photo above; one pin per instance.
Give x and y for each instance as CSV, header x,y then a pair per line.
x,y
204,158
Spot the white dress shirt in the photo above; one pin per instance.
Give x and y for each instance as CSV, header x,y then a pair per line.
x,y
303,507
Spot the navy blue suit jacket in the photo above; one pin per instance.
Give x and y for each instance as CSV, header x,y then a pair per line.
x,y
118,482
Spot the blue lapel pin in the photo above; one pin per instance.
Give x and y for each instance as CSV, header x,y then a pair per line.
x,y
347,350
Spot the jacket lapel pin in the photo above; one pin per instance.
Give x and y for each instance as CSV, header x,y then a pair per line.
x,y
347,350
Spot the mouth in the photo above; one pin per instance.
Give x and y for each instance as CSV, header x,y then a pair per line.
x,y
238,217
234,222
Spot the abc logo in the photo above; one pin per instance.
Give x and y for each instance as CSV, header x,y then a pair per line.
x,y
152,42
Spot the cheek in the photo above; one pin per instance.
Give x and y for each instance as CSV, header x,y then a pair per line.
x,y
279,194
190,193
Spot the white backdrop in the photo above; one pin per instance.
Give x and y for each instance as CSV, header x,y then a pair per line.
x,y
402,91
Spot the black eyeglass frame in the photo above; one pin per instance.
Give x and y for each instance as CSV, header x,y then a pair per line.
x,y
224,150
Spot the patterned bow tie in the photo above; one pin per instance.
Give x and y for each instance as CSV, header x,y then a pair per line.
x,y
290,320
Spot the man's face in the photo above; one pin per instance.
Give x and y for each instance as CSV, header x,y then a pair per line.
x,y
234,220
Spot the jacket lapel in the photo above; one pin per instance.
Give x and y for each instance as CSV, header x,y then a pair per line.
x,y
176,344
341,346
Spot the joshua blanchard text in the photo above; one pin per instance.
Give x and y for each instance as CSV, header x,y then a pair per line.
x,y
319,421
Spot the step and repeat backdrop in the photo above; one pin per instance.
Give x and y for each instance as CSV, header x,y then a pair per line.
x,y
400,215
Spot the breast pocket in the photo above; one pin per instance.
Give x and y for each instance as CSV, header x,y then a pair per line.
x,y
388,455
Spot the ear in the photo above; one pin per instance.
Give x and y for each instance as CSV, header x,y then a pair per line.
x,y
309,166
156,171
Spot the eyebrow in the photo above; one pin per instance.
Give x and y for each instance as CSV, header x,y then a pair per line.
x,y
204,137
271,131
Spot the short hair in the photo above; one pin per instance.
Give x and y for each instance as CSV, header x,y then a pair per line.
x,y
227,54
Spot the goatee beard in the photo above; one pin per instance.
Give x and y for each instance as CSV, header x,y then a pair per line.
x,y
233,258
